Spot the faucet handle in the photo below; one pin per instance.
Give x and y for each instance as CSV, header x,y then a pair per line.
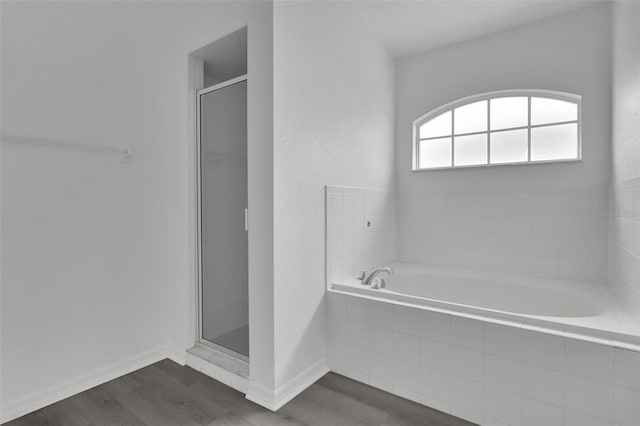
x,y
361,275
376,283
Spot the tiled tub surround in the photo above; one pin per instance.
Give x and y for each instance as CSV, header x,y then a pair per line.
x,y
625,243
559,232
361,230
488,373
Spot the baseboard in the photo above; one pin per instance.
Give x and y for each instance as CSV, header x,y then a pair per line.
x,y
58,392
274,400
257,393
177,355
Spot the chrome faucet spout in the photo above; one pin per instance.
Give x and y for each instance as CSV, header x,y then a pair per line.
x,y
368,278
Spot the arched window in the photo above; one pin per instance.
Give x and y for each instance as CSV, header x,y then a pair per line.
x,y
505,127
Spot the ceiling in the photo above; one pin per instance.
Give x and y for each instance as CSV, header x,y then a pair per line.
x,y
407,27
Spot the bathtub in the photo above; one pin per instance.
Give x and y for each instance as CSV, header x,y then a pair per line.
x,y
585,311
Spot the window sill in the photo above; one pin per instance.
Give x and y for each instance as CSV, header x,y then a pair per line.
x,y
481,166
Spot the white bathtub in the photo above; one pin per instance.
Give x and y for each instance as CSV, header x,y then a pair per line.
x,y
576,309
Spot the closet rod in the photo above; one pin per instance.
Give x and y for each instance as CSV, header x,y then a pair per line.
x,y
125,152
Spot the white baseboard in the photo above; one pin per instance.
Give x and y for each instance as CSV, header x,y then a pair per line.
x,y
47,396
177,355
257,393
274,400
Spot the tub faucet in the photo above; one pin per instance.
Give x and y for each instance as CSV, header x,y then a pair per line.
x,y
367,279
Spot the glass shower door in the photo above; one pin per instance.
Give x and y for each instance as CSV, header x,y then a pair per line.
x,y
224,311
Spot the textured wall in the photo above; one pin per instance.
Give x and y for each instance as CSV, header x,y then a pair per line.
x,y
626,90
333,125
624,269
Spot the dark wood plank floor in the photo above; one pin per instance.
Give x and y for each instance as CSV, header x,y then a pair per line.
x,y
167,394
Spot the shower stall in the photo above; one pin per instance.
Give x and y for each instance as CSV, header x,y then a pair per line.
x,y
223,320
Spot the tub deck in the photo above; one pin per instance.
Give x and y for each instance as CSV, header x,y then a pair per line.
x,y
580,310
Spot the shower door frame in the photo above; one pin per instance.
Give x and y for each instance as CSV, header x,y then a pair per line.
x,y
198,219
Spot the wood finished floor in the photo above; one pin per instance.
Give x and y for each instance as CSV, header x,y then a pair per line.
x,y
167,394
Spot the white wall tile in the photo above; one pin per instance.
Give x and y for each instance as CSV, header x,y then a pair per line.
x,y
527,234
626,407
358,359
545,266
468,415
543,385
406,320
348,252
503,341
504,374
503,406
337,329
337,305
381,367
337,353
407,348
334,203
358,376
543,350
357,310
572,269
467,333
407,376
467,395
436,384
482,384
351,245
436,355
488,421
626,369
381,314
348,205
535,413
467,364
436,326
575,419
589,360
521,203
357,334
407,394
588,397
498,262
436,404
347,224
381,384
381,340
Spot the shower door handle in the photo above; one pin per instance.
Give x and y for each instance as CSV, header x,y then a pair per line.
x,y
246,219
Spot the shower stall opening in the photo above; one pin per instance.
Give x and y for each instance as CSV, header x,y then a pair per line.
x,y
222,197
224,318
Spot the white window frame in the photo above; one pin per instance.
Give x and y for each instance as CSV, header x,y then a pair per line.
x,y
529,93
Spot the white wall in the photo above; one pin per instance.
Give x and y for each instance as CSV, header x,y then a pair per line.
x,y
626,90
97,259
545,220
624,268
333,124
